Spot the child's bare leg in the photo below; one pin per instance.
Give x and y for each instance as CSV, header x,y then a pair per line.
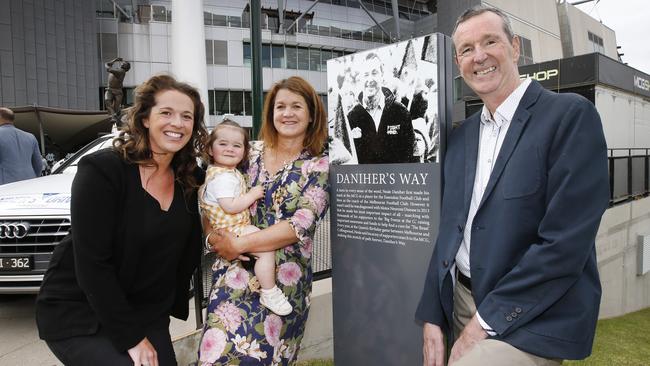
x,y
265,269
264,264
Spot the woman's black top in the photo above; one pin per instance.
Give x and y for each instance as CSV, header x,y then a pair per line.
x,y
127,264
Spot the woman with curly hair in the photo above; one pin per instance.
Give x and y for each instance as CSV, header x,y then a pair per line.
x,y
136,237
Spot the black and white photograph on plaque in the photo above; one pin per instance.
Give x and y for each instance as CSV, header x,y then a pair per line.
x,y
383,104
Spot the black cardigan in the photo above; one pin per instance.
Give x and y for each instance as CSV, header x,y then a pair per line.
x,y
127,265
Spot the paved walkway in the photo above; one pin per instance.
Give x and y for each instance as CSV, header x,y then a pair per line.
x,y
19,342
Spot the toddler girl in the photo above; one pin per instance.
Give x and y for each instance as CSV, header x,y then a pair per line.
x,y
224,200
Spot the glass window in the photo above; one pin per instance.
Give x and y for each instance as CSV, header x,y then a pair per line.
x,y
266,55
292,57
221,102
209,52
144,13
247,54
303,58
248,103
323,31
377,35
596,42
234,21
219,20
246,20
207,18
277,57
312,29
356,35
325,55
159,13
526,52
237,103
264,21
314,59
274,23
302,25
221,52
104,9
108,46
353,4
367,36
211,102
335,32
129,97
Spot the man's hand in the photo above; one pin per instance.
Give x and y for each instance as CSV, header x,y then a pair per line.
x,y
143,354
433,347
472,334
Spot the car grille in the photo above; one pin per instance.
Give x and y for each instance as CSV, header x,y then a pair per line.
x,y
43,235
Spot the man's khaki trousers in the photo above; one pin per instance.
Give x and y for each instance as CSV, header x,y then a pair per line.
x,y
488,352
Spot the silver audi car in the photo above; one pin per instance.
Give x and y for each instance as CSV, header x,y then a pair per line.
x,y
34,217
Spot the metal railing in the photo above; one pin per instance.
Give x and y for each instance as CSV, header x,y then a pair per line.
x,y
629,174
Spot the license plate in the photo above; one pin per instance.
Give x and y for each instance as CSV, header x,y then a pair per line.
x,y
14,264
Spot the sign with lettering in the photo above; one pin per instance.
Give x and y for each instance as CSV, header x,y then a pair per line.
x,y
388,110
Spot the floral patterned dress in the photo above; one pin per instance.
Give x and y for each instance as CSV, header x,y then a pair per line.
x,y
238,330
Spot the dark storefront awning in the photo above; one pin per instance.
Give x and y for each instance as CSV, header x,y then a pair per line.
x,y
61,130
583,70
579,74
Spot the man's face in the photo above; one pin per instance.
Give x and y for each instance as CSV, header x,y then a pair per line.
x,y
487,60
372,77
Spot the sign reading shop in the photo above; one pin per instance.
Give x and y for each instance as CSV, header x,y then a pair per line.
x,y
541,75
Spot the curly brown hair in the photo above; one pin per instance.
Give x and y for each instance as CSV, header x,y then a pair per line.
x,y
316,130
133,141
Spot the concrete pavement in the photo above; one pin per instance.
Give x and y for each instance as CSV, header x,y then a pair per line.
x,y
20,345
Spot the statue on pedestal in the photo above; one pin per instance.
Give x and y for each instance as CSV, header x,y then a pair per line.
x,y
113,96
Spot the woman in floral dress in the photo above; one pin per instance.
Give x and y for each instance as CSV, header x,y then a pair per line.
x,y
291,164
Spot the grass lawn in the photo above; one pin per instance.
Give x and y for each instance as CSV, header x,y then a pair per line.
x,y
327,362
622,341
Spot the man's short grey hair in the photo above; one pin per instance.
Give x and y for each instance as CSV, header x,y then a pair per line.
x,y
480,9
6,115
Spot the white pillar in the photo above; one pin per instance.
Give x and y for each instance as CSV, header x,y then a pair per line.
x,y
188,47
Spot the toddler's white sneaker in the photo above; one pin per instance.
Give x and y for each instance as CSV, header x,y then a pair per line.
x,y
274,300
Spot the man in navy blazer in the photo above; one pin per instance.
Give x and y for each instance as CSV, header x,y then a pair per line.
x,y
19,155
513,279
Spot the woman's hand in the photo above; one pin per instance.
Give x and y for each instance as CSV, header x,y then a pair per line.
x,y
224,243
144,354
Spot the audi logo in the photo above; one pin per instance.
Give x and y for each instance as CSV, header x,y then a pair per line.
x,y
14,230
